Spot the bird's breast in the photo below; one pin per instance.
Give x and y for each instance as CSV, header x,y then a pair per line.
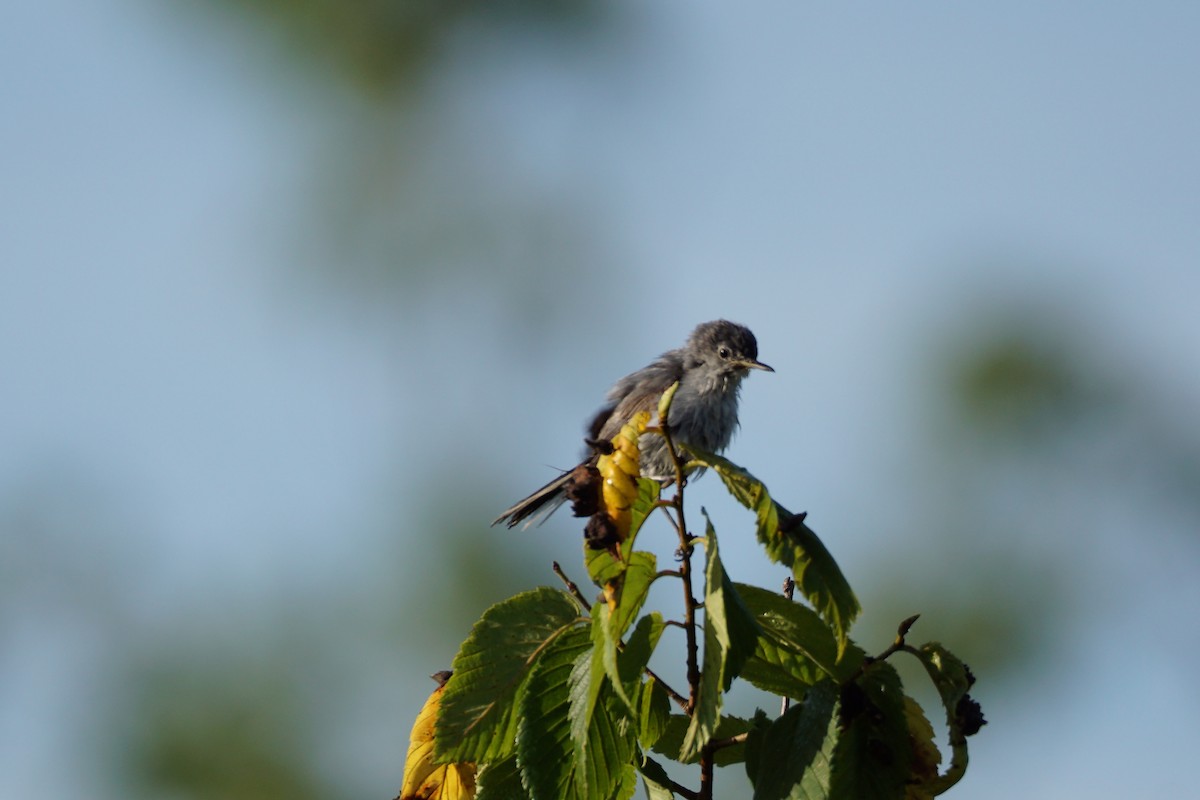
x,y
705,420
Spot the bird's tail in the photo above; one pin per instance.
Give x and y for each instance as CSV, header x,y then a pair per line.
x,y
538,506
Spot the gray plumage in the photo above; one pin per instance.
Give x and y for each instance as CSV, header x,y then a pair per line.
x,y
704,413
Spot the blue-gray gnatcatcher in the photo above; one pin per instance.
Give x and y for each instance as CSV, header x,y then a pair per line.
x,y
709,367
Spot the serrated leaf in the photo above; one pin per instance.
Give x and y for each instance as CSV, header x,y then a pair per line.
x,y
545,751
655,779
606,643
587,678
796,648
642,570
872,759
425,780
623,667
735,627
670,743
602,566
501,781
628,783
643,506
779,671
789,757
653,714
640,646
609,757
605,566
478,720
730,636
963,716
670,740
727,728
553,764
790,542
925,755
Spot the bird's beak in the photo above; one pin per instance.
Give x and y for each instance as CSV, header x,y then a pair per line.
x,y
752,364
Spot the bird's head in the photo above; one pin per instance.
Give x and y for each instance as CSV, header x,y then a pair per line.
x,y
725,347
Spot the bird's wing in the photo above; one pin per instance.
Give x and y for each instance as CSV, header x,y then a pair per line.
x,y
637,391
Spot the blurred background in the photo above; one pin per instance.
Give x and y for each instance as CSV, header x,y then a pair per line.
x,y
296,296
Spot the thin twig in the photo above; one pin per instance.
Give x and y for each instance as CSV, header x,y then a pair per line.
x,y
689,605
571,587
720,744
666,506
685,571
789,591
682,791
578,595
895,647
679,699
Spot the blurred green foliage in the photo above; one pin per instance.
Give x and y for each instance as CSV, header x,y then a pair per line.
x,y
382,46
1021,385
230,729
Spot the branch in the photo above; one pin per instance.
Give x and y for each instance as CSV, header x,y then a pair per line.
x,y
689,600
720,744
682,791
685,556
789,591
896,646
571,587
679,699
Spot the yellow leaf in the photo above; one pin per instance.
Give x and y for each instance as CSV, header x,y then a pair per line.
x,y
423,779
925,754
619,471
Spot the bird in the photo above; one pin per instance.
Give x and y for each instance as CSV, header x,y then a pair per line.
x,y
710,368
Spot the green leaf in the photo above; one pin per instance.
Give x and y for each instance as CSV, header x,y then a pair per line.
x,y
604,566
622,667
654,711
924,782
608,760
627,786
726,614
501,780
643,506
606,636
964,717
790,757
586,685
636,655
545,750
642,570
796,648
607,642
553,764
655,779
727,728
477,721
790,542
664,402
873,756
730,636
670,742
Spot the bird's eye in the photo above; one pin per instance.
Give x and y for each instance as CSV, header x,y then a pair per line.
x,y
723,352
